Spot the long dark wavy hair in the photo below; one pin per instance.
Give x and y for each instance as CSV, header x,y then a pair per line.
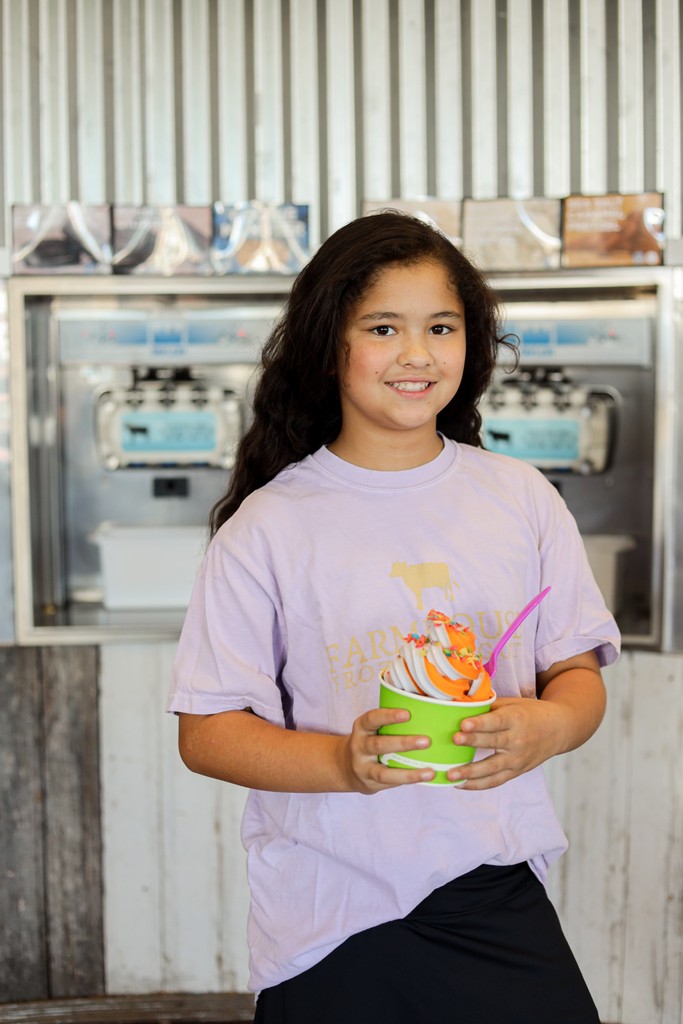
x,y
296,407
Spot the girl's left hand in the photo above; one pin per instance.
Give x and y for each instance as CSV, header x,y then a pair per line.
x,y
523,732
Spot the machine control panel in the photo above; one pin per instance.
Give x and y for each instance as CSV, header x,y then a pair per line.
x,y
230,335
555,337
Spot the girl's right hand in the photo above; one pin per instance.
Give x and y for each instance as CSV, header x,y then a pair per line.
x,y
360,752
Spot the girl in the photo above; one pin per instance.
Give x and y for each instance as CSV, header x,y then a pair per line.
x,y
361,497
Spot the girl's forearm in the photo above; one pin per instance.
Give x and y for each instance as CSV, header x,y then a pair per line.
x,y
240,747
581,694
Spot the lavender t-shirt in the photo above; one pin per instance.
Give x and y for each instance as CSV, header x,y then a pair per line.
x,y
302,599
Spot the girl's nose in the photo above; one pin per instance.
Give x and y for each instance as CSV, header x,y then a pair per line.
x,y
415,351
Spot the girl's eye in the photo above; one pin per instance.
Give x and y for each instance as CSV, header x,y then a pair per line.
x,y
441,329
383,331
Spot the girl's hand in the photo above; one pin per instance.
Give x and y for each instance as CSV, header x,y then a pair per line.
x,y
359,753
524,733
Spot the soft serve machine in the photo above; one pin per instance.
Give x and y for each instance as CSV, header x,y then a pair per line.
x,y
590,404
129,395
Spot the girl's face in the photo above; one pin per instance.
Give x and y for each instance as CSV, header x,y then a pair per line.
x,y
402,357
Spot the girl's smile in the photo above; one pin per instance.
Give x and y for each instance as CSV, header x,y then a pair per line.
x,y
401,362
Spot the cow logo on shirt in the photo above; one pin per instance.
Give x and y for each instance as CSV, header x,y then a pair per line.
x,y
356,660
425,576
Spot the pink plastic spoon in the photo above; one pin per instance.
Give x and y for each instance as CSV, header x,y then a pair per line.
x,y
490,665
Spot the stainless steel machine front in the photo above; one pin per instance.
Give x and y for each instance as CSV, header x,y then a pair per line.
x,y
131,399
589,404
129,395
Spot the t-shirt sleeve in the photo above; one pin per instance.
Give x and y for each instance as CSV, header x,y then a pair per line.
x,y
231,647
574,617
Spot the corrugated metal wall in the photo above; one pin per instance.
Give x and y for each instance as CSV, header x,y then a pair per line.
x,y
331,101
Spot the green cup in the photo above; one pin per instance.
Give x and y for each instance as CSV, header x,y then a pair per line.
x,y
438,719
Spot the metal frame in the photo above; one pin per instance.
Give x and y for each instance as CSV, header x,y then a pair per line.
x,y
668,283
6,584
21,288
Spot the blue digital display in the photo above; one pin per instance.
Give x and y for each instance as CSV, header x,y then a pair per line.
x,y
168,431
534,440
167,336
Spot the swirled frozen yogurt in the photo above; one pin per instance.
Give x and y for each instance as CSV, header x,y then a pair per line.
x,y
440,663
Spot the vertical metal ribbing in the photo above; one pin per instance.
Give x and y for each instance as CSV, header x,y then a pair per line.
x,y
323,164
178,115
575,99
556,99
484,101
629,96
234,129
144,168
649,9
515,95
412,98
72,96
448,99
271,129
358,106
250,99
341,196
34,100
669,178
305,109
108,99
502,96
394,98
191,87
593,108
285,16
430,94
85,98
375,99
466,65
537,96
123,154
214,133
39,161
612,93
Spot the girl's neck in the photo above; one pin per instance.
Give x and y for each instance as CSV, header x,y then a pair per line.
x,y
392,455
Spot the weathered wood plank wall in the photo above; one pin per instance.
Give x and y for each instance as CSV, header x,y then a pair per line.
x,y
51,939
175,882
71,820
619,890
23,956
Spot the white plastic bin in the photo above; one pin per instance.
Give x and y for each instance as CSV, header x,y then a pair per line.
x,y
603,551
149,566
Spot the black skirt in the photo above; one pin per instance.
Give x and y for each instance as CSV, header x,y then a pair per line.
x,y
486,948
